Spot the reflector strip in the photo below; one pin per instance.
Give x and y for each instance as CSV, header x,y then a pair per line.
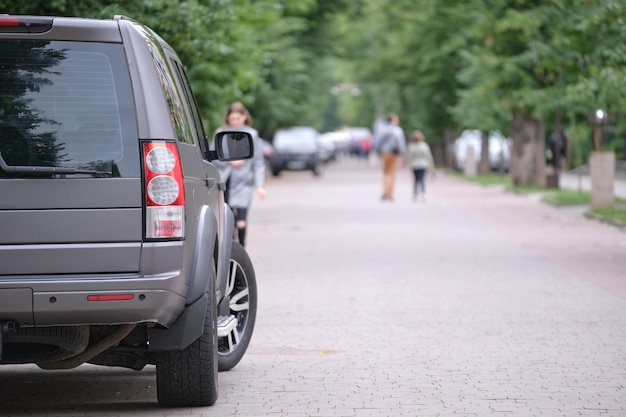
x,y
110,297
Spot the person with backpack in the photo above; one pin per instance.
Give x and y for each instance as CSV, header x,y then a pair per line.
x,y
391,147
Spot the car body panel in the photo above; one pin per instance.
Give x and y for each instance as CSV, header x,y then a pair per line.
x,y
71,240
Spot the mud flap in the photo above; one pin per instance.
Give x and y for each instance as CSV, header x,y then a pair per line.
x,y
184,331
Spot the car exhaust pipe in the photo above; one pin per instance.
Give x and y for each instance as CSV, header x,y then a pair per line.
x,y
92,351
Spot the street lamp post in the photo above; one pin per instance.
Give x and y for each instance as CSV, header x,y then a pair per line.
x,y
600,117
601,167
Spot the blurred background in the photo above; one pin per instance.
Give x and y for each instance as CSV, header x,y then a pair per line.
x,y
523,69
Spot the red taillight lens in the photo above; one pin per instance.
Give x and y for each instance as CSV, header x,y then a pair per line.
x,y
164,191
164,177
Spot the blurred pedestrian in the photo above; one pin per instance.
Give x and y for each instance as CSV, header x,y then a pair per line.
x,y
420,159
557,147
391,147
244,176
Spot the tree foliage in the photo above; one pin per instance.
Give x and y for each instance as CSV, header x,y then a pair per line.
x,y
443,66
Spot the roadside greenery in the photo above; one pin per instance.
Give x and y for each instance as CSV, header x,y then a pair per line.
x,y
522,67
617,214
485,179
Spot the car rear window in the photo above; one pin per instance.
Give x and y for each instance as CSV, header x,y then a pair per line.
x,y
67,104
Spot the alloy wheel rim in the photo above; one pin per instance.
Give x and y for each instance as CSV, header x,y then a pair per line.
x,y
237,289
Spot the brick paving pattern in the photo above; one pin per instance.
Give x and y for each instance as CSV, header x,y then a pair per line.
x,y
476,302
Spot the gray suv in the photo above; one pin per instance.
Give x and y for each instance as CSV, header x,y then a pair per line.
x,y
116,246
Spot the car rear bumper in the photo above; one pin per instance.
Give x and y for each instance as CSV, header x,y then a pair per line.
x,y
52,301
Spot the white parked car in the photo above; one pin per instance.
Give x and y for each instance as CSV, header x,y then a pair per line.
x,y
499,149
336,141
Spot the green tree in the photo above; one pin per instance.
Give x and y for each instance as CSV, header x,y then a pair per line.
x,y
534,54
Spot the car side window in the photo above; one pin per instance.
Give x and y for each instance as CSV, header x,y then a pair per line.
x,y
192,105
173,96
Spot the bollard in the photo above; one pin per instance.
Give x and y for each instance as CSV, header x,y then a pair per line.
x,y
602,170
470,168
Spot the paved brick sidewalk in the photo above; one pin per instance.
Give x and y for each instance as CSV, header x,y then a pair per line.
x,y
475,303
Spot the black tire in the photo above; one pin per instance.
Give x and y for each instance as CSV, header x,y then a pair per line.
x,y
241,289
275,172
188,378
317,170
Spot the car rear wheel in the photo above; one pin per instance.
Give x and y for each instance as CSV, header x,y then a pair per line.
x,y
317,170
188,378
241,293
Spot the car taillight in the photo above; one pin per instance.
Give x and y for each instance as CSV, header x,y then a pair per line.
x,y
164,191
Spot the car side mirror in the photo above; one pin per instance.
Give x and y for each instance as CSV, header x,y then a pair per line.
x,y
233,145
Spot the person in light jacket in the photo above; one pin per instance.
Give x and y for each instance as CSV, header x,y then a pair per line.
x,y
420,159
242,177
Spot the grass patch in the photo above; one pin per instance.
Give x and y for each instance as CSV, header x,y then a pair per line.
x,y
617,213
526,189
492,179
485,179
565,197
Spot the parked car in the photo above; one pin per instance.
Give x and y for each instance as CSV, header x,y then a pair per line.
x,y
116,248
328,148
498,153
297,149
360,143
338,142
268,149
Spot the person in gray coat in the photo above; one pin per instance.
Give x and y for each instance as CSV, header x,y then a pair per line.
x,y
242,177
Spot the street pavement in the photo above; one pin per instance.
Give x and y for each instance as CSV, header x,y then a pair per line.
x,y
474,302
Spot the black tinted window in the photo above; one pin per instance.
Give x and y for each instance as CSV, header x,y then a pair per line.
x,y
193,107
66,104
173,95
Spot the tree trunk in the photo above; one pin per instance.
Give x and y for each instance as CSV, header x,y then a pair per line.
x,y
448,141
528,165
483,167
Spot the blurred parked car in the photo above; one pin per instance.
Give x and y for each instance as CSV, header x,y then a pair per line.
x,y
360,141
268,149
336,143
297,149
499,151
328,149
